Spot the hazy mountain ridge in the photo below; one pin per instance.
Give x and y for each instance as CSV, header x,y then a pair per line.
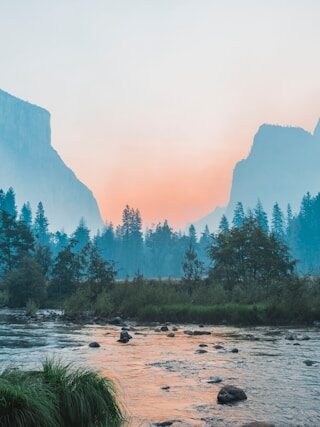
x,y
282,165
35,170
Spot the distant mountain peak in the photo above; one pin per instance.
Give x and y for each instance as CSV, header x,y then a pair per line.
x,y
282,165
34,169
316,131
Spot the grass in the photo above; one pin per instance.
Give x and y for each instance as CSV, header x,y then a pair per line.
x,y
230,313
57,396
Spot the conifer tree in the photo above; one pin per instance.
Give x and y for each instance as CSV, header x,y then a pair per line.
x,y
40,226
238,215
261,217
9,203
224,225
26,214
278,225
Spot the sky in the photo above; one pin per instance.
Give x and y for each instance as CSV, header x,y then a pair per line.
x,y
153,102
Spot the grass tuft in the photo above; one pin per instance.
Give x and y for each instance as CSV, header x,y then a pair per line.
x,y
57,396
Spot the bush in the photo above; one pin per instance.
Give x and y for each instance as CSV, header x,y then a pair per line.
x,y
31,308
57,396
77,304
103,305
25,283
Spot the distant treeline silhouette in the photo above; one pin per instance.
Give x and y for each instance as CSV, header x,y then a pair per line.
x,y
160,252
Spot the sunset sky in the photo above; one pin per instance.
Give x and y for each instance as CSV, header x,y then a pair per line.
x,y
154,101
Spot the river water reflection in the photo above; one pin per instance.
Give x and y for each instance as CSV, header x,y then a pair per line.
x,y
281,388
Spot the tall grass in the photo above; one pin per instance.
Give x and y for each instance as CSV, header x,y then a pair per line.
x,y
58,395
245,314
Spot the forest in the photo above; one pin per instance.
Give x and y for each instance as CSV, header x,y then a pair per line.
x,y
250,271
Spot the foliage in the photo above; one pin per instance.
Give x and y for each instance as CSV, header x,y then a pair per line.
x,y
31,308
248,254
25,283
58,395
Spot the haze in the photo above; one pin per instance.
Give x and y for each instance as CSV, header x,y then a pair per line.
x,y
153,101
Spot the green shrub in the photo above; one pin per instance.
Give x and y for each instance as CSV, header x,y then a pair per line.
x,y
31,308
103,306
57,396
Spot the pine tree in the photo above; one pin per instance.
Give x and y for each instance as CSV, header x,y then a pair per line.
x,y
131,241
9,203
261,217
193,268
81,236
192,235
26,214
40,226
289,215
224,225
278,225
16,241
238,215
67,271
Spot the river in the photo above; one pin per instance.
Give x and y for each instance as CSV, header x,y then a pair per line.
x,y
159,378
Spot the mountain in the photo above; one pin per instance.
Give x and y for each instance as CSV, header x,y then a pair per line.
x,y
35,170
283,165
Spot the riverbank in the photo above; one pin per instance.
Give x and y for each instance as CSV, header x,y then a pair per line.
x,y
161,378
226,314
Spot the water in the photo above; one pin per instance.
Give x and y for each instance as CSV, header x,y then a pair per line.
x,y
281,389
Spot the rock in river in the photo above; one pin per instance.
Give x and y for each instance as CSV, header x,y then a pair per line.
x,y
218,346
231,394
164,328
309,362
258,424
125,337
201,351
214,380
201,333
94,344
170,335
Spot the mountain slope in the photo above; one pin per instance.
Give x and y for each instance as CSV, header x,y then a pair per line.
x,y
282,166
35,170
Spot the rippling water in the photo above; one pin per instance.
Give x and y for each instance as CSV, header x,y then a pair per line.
x,y
280,387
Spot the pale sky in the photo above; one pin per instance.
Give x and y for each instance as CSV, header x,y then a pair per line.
x,y
154,101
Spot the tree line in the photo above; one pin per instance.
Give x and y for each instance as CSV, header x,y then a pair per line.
x,y
36,263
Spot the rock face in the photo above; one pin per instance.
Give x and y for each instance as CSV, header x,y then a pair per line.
x,y
278,155
34,169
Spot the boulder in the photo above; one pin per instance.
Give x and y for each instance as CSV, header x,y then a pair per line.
x,y
166,388
258,424
234,350
201,351
188,332
230,394
164,328
203,345
218,346
309,362
214,380
174,328
170,335
290,337
201,333
94,344
125,337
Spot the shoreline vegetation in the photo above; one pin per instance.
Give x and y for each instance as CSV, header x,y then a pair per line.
x,y
249,277
58,395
